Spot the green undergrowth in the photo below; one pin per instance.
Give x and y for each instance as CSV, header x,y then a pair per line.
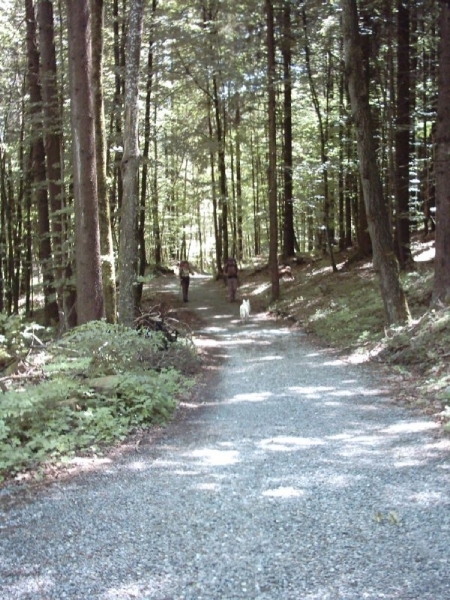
x,y
421,353
85,391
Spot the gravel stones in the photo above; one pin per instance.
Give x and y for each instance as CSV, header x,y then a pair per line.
x,y
296,479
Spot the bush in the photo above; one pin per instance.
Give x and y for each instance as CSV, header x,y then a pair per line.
x,y
97,384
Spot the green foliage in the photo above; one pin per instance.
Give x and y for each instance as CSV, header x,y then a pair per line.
x,y
17,335
110,349
150,398
422,343
343,309
100,382
338,320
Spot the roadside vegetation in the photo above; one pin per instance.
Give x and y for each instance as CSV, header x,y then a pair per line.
x,y
86,391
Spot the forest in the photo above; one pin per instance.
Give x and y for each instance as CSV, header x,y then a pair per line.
x,y
135,134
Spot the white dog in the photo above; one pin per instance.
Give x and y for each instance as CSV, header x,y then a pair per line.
x,y
245,310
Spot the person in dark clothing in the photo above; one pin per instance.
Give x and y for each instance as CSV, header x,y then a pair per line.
x,y
185,273
231,274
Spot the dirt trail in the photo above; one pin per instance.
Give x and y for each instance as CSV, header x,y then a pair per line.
x,y
288,475
209,314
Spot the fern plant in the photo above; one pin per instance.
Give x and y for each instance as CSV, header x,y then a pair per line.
x,y
69,410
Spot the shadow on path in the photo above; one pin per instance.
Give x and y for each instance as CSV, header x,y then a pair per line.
x,y
294,477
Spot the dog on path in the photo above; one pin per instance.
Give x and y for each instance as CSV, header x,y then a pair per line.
x,y
245,310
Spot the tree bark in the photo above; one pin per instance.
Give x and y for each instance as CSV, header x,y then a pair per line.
x,y
145,155
106,241
154,195
323,136
441,287
128,250
87,237
156,226
2,230
402,135
288,225
216,218
385,261
116,124
272,170
27,275
343,216
38,169
239,201
52,139
222,167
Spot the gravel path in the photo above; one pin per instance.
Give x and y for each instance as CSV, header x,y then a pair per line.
x,y
297,478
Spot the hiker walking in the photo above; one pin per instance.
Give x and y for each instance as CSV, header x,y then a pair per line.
x,y
231,274
185,272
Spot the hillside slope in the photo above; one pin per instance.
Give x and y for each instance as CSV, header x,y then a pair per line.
x,y
345,310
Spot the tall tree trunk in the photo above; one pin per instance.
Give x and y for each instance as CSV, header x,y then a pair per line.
x,y
441,288
239,204
38,170
16,233
272,170
323,136
116,113
87,236
106,241
255,195
27,274
232,213
10,203
128,250
222,166
402,135
53,142
288,225
343,205
52,139
4,306
428,59
142,254
216,219
156,227
145,156
385,261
